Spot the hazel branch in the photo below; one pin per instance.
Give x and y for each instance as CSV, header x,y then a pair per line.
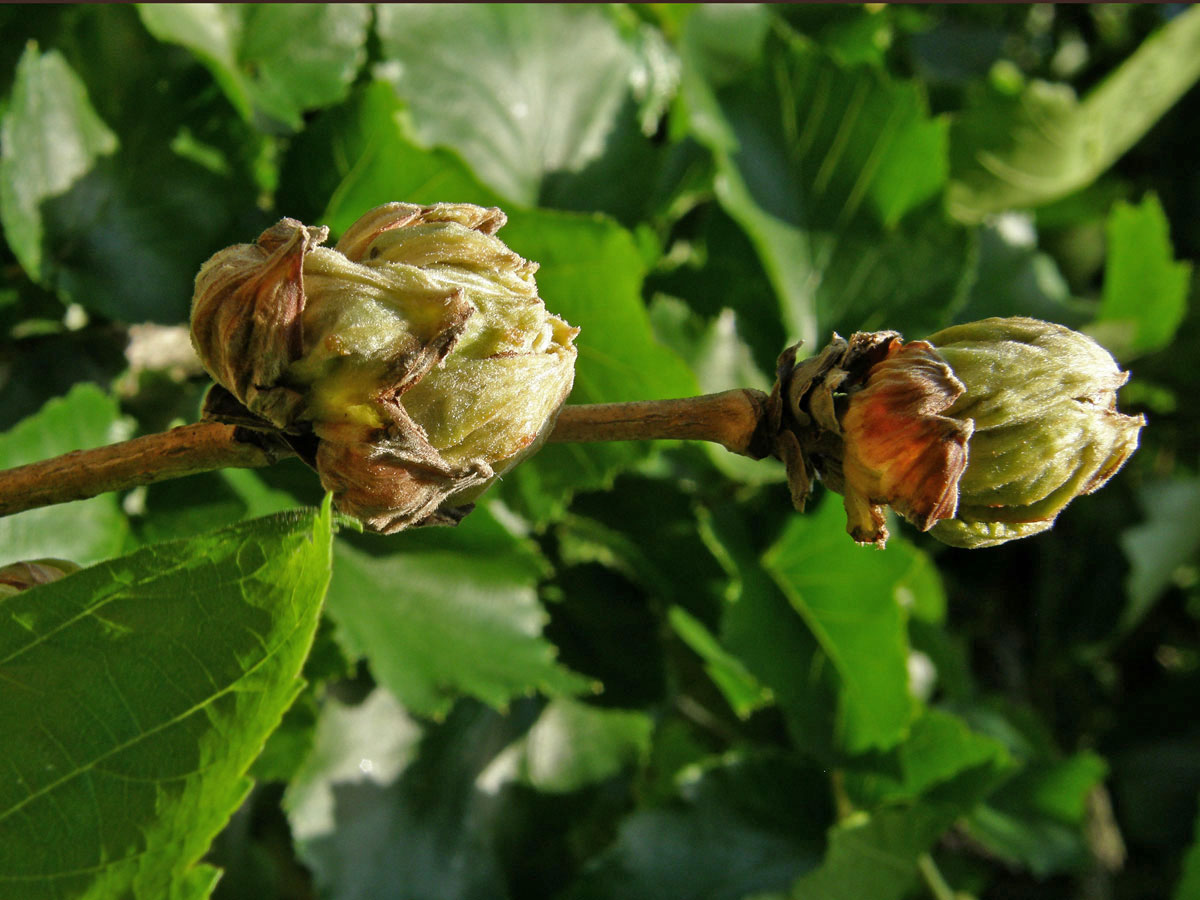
x,y
731,419
145,460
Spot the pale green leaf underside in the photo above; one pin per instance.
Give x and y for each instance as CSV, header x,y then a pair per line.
x,y
260,73
525,93
49,138
1028,150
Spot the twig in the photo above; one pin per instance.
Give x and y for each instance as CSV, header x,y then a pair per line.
x,y
156,457
731,419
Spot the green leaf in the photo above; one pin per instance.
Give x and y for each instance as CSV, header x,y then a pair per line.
x,y
939,749
1035,820
875,856
1157,547
854,600
378,815
261,74
818,163
103,228
1145,289
760,628
50,137
1025,150
1059,790
1042,846
441,613
738,827
572,745
541,101
84,531
138,693
373,741
722,361
331,147
1013,277
741,689
592,271
383,164
1189,883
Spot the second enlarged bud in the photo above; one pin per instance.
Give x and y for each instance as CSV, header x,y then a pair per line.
x,y
416,353
984,432
979,434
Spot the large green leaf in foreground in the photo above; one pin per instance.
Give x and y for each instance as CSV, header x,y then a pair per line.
x,y
136,694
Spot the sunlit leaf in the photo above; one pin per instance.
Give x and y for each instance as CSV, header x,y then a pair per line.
x,y
939,749
1145,289
137,694
761,629
875,856
542,101
590,273
119,232
818,162
260,73
853,599
50,137
573,744
388,809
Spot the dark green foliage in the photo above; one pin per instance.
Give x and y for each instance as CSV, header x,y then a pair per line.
x,y
633,671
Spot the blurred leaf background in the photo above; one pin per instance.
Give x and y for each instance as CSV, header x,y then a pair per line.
x,y
633,672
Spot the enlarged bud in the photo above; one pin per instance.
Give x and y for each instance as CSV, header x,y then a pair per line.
x,y
980,434
19,576
1043,400
416,352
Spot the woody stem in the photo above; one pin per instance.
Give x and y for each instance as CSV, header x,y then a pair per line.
x,y
731,419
